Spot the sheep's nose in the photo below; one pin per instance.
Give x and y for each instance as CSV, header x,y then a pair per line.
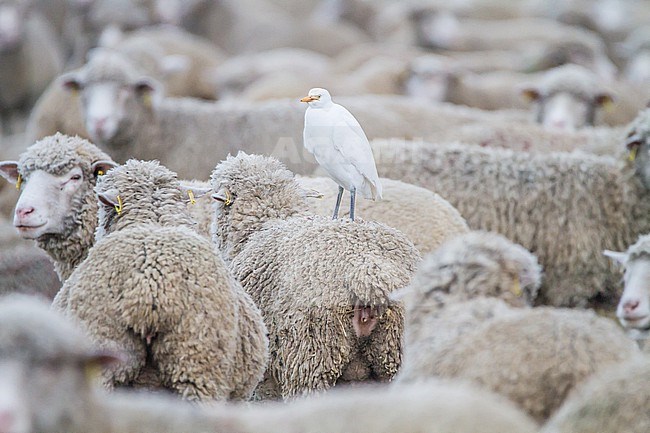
x,y
22,212
630,305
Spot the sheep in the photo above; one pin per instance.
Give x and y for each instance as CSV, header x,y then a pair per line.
x,y
145,125
535,357
564,207
181,61
467,281
57,207
187,325
633,308
433,406
321,284
423,216
615,399
636,51
31,57
48,370
567,97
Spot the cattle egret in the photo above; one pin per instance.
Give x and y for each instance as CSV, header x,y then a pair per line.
x,y
335,138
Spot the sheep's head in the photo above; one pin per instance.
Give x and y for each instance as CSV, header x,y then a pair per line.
x,y
567,98
633,309
248,191
476,264
431,77
141,192
55,177
46,367
637,141
116,98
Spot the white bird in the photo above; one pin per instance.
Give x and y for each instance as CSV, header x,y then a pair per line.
x,y
337,141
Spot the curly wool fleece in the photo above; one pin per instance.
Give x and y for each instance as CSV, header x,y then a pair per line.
x,y
308,274
153,287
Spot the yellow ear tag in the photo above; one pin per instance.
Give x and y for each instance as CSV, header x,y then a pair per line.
x,y
228,201
632,155
100,172
190,194
516,288
19,181
92,371
608,105
146,100
118,206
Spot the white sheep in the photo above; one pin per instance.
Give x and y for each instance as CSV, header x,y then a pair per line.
x,y
468,280
57,207
564,207
615,399
422,215
633,309
322,284
432,406
183,320
48,381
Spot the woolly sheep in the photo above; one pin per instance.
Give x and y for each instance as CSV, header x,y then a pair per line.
x,y
31,58
615,399
633,309
465,282
535,357
565,207
422,215
429,407
47,381
57,207
179,132
567,97
177,309
322,284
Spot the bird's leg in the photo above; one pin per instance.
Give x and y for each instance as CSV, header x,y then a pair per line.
x,y
353,196
338,203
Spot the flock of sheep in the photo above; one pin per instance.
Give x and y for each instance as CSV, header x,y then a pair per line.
x,y
168,260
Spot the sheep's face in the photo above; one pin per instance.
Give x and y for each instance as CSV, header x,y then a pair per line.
x,y
111,107
430,79
564,111
633,310
12,23
639,152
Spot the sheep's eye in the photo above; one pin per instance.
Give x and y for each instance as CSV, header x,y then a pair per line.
x,y
75,177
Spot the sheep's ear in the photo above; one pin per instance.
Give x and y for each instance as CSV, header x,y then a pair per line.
x,y
9,170
194,192
100,168
109,198
103,358
529,93
605,100
224,196
616,256
149,91
71,82
174,64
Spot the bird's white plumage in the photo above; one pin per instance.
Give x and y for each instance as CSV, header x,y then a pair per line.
x,y
337,141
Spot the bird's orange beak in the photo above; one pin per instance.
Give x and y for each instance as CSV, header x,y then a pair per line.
x,y
308,99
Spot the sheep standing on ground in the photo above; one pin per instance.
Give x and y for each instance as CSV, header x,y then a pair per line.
x,y
422,215
565,208
57,207
186,324
465,282
322,284
633,309
47,381
614,400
